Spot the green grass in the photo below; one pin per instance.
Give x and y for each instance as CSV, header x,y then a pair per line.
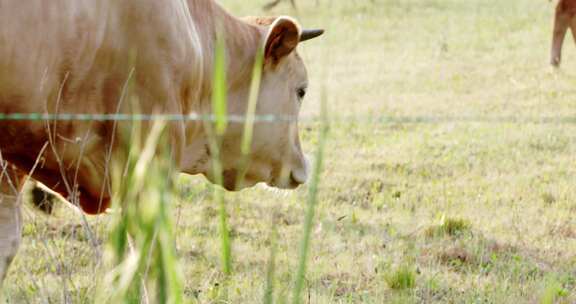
x,y
507,189
448,227
402,278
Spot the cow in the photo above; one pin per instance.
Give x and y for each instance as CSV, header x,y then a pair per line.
x,y
87,56
564,19
274,3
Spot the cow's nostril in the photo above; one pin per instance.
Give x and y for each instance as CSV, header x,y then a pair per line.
x,y
298,177
299,174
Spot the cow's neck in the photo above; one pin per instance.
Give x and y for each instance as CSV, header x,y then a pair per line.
x,y
242,41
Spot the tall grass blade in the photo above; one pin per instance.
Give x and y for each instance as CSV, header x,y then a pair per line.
x,y
248,132
219,110
270,272
224,232
219,87
252,102
311,202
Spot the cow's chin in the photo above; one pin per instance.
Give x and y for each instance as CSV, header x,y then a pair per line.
x,y
231,180
283,183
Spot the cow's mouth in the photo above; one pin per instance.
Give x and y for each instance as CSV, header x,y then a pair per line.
x,y
289,183
289,178
232,181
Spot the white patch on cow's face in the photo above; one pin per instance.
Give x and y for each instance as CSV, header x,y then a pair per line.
x,y
276,156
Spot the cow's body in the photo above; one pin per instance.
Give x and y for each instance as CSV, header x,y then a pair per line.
x,y
565,18
88,56
86,52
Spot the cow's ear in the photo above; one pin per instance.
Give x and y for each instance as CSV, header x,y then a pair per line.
x,y
283,37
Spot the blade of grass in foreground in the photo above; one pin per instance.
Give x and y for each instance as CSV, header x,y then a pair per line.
x,y
219,110
219,89
141,248
311,203
246,145
270,272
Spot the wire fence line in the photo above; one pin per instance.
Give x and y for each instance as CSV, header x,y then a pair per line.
x,y
371,119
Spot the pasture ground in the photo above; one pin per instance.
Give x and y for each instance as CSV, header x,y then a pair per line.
x,y
452,212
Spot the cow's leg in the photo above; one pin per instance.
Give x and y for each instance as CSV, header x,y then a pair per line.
x,y
573,27
561,23
271,5
10,217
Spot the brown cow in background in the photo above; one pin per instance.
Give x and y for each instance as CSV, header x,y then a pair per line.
x,y
565,13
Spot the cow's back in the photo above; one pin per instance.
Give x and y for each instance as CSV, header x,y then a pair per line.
x,y
45,45
77,56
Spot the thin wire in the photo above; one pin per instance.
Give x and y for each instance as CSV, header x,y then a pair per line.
x,y
374,119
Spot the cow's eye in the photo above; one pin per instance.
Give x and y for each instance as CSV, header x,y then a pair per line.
x,y
301,93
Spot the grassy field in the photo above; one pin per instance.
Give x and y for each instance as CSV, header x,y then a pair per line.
x,y
458,211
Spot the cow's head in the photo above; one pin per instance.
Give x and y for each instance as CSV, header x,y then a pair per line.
x,y
276,156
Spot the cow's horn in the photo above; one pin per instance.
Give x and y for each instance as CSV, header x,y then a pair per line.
x,y
309,34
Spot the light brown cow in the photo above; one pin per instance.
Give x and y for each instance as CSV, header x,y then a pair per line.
x,y
78,56
564,19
